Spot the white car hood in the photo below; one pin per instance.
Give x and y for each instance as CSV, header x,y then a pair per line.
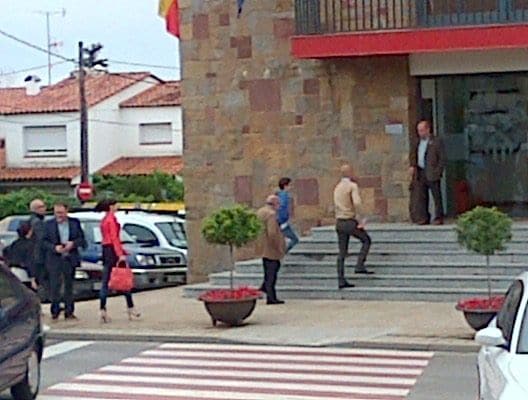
x,y
518,369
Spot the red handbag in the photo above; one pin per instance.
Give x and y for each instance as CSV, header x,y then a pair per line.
x,y
121,278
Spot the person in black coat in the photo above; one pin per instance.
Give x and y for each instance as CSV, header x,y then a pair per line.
x,y
63,237
16,254
36,219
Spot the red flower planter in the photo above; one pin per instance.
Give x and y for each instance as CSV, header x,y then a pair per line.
x,y
479,312
230,307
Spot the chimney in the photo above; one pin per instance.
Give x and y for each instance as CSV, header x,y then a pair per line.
x,y
32,85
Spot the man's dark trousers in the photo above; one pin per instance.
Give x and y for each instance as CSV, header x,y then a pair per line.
x,y
346,228
59,273
434,186
271,270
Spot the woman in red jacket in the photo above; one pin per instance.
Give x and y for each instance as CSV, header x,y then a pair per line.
x,y
113,253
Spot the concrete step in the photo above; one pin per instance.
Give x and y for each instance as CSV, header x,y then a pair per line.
x,y
308,281
376,254
308,244
386,268
434,294
397,232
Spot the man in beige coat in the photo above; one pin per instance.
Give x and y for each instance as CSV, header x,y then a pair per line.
x,y
347,203
273,247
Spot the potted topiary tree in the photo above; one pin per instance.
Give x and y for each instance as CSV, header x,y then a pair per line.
x,y
234,227
484,231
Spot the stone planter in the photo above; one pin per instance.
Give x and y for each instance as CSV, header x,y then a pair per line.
x,y
231,312
478,319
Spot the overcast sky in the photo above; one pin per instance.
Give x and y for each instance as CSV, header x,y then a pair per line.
x,y
130,30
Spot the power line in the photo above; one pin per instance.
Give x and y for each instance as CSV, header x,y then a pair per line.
x,y
31,69
34,46
137,64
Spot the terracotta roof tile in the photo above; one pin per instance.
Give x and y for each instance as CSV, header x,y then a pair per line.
x,y
38,174
127,166
64,96
162,95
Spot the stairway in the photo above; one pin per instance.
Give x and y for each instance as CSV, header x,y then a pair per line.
x,y
412,263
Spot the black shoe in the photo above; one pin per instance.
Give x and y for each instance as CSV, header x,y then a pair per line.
x,y
271,302
364,271
71,317
345,284
55,318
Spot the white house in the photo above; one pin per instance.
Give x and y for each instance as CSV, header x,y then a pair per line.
x,y
135,127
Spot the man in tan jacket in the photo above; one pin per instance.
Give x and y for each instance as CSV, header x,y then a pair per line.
x,y
273,247
347,202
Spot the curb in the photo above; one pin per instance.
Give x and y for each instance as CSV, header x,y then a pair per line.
x,y
63,335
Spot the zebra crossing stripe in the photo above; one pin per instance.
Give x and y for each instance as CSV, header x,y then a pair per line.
x,y
213,372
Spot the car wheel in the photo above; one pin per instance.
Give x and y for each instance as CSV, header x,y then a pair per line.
x,y
29,387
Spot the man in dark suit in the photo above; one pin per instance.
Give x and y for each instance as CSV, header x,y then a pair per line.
x,y
63,236
427,161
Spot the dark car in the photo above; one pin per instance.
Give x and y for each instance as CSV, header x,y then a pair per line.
x,y
152,266
21,338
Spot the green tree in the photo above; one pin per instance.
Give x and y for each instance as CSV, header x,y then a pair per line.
x,y
17,201
157,187
234,226
484,231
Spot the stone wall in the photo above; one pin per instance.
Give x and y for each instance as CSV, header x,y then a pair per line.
x,y
252,113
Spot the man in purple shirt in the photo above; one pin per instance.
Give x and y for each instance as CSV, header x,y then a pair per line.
x,y
284,212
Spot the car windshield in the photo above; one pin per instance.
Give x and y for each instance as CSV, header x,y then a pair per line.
x,y
92,231
174,232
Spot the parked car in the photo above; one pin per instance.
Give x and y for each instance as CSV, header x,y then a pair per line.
x,y
153,266
503,359
6,238
87,276
155,229
22,338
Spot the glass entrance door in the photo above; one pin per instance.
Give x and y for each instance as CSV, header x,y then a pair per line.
x,y
483,120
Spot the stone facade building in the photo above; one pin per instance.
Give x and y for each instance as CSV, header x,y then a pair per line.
x,y
254,112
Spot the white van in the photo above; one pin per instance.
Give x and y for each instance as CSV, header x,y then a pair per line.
x,y
155,229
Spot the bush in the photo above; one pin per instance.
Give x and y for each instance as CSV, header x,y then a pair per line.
x,y
17,202
158,187
484,231
232,226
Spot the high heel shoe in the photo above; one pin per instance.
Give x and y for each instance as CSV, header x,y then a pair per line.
x,y
105,319
133,314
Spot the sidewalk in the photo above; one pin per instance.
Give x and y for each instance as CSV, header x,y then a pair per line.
x,y
167,316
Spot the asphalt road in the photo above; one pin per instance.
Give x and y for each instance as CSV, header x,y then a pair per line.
x,y
111,369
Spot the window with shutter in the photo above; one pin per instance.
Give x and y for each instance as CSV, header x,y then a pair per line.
x,y
158,133
45,141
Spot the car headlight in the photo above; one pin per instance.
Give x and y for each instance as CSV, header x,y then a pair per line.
x,y
145,260
81,275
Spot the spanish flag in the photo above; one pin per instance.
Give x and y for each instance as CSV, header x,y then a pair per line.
x,y
169,10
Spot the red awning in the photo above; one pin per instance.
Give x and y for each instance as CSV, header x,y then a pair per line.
x,y
400,42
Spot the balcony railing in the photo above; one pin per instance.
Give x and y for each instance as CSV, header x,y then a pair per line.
x,y
336,16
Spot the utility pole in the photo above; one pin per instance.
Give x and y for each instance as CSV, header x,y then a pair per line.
x,y
49,44
84,117
87,58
